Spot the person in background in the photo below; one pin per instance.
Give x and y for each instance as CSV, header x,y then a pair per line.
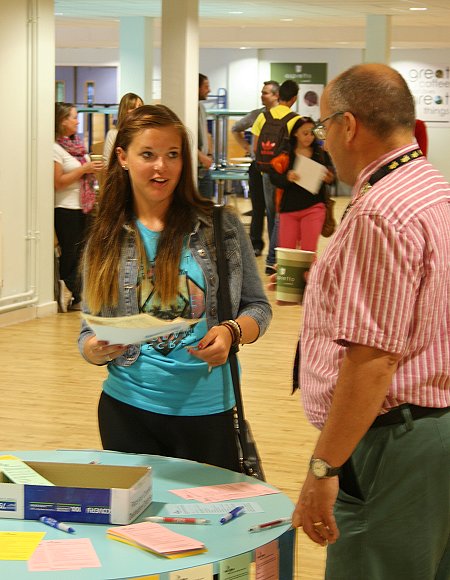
x,y
173,395
128,103
205,160
287,97
75,197
421,135
375,356
301,213
269,98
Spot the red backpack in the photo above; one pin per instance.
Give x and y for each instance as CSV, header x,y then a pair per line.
x,y
273,140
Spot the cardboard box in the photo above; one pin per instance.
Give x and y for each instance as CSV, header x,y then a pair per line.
x,y
96,494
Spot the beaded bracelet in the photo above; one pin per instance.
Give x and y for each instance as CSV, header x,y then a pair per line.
x,y
235,330
234,336
230,330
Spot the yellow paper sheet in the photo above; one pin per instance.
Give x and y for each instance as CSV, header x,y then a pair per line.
x,y
19,545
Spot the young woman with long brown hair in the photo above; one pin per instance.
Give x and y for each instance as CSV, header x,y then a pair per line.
x,y
152,250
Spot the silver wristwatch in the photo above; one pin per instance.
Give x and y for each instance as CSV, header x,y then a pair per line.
x,y
321,469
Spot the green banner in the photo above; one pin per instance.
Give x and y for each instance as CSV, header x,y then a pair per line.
x,y
314,73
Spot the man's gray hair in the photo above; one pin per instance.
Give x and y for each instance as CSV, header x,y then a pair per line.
x,y
376,95
274,86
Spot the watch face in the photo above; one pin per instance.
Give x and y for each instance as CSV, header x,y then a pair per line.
x,y
319,468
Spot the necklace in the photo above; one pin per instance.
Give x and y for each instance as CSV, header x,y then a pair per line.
x,y
380,173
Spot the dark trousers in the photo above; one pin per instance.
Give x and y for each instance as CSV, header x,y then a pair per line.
x,y
205,184
70,228
206,438
393,506
256,191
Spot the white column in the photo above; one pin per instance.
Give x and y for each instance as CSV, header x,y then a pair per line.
x,y
180,61
136,57
378,38
27,95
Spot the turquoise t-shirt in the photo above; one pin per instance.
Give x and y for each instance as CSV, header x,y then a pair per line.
x,y
165,378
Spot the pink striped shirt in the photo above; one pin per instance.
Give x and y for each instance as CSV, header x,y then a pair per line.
x,y
384,282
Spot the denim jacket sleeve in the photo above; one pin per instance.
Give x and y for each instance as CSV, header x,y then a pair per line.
x,y
128,300
246,289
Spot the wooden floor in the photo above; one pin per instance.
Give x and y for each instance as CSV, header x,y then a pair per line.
x,y
49,398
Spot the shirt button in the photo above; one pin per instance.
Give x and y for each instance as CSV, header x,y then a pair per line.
x,y
202,253
213,311
212,279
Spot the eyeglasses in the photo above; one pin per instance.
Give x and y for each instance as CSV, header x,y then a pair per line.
x,y
319,130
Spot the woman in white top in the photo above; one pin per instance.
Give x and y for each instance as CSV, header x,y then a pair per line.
x,y
74,199
128,103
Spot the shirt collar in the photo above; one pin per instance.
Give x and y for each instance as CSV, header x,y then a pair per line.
x,y
365,173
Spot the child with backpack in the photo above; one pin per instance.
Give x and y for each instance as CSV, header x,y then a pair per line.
x,y
301,213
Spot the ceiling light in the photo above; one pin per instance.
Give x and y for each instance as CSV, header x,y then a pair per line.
x,y
235,12
286,19
417,9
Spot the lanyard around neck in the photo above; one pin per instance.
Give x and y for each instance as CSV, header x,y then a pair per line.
x,y
382,172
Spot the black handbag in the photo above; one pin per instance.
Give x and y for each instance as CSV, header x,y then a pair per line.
x,y
249,459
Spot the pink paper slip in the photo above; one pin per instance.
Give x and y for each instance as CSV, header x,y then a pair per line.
x,y
156,538
72,554
267,561
223,492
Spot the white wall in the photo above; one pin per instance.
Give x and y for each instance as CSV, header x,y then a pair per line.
x,y
242,72
26,167
438,137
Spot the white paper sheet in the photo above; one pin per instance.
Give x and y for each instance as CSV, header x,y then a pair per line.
x,y
135,329
187,509
310,172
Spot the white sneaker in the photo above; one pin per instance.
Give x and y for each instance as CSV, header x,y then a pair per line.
x,y
65,296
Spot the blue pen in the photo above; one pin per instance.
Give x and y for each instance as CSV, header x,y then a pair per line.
x,y
234,513
55,524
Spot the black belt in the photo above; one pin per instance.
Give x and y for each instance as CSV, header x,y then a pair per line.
x,y
395,415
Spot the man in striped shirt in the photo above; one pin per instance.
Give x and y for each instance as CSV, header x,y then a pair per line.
x,y
375,368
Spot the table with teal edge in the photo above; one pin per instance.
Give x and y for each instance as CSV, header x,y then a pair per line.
x,y
120,561
224,174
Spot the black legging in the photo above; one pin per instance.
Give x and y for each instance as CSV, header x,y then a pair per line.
x,y
206,438
256,191
70,228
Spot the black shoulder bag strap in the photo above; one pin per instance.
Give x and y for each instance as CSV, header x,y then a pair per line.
x,y
225,313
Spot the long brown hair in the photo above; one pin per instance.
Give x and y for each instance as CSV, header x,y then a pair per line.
x,y
115,219
127,103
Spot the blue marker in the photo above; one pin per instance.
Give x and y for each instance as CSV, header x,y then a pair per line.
x,y
234,513
55,524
